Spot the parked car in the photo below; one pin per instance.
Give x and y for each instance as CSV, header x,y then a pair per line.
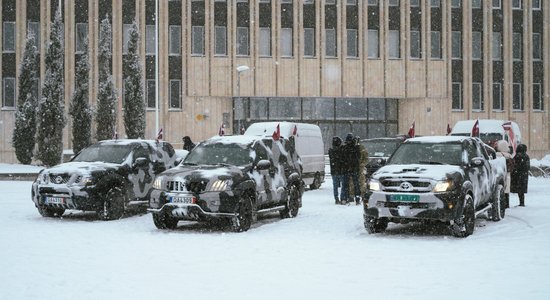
x,y
109,177
490,131
230,179
309,145
380,149
448,179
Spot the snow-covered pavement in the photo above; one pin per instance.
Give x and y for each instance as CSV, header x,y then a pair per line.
x,y
323,253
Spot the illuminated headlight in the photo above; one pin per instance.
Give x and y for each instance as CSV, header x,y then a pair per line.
x,y
443,186
157,184
374,185
86,180
220,185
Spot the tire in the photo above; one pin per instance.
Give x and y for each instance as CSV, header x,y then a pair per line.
x,y
316,182
165,221
292,204
50,212
373,225
112,205
464,224
243,214
498,208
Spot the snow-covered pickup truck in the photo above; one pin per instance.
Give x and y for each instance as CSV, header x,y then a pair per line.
x,y
108,177
445,178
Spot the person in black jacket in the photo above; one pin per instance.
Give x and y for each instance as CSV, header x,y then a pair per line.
x,y
187,143
352,154
336,157
520,173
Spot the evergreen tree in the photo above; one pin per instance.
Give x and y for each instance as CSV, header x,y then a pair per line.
x,y
80,109
106,98
50,116
134,104
25,118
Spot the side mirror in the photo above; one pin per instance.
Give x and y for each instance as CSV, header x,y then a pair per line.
x,y
158,167
476,162
263,164
141,162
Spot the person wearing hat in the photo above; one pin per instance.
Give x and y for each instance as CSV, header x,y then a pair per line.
x,y
187,143
520,174
336,158
352,167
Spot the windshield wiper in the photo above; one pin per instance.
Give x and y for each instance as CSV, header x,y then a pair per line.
x,y
431,163
188,164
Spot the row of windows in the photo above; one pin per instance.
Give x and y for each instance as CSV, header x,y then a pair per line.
x,y
496,4
498,97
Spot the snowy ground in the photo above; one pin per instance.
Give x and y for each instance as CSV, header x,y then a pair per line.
x,y
323,253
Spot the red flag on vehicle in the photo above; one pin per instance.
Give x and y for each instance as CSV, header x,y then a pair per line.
x,y
475,129
448,129
277,133
295,130
115,135
411,130
159,135
242,130
508,127
221,131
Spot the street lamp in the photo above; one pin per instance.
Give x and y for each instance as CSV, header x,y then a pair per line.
x,y
240,69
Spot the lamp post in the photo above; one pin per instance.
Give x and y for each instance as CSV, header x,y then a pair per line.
x,y
240,69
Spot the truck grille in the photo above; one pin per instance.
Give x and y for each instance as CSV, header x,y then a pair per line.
x,y
176,186
60,178
404,185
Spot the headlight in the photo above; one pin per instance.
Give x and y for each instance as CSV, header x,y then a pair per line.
x,y
86,180
43,178
443,186
157,184
220,185
374,185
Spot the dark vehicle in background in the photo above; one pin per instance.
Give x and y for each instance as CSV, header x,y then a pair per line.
x,y
380,149
448,179
109,177
230,180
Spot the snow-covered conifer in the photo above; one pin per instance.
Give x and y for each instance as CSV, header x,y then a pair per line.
x,y
50,115
80,109
106,98
134,103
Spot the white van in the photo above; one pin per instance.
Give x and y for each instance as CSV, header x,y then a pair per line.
x,y
489,130
309,146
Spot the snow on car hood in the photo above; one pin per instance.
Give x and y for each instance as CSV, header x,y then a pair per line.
x,y
436,172
82,168
202,172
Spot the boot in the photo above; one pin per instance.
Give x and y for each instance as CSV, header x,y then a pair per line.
x,y
336,200
521,199
357,200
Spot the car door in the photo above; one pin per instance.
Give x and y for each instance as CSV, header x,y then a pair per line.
x,y
478,174
142,176
264,177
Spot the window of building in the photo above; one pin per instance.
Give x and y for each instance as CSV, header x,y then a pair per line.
x,y
477,96
516,4
516,46
537,46
352,44
436,44
220,37
476,4
455,3
150,39
242,41
536,4
393,44
309,42
197,40
496,4
415,3
331,27
81,36
497,46
265,42
125,36
457,96
498,99
456,41
538,100
373,2
287,25
373,43
517,97
415,44
8,100
34,27
286,42
330,43
8,36
309,25
435,3
175,40
351,2
243,28
151,93
393,3
477,46
175,94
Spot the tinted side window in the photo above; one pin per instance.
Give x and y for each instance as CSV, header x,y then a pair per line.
x,y
141,151
168,149
471,149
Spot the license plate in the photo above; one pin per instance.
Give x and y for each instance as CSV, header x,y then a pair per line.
x,y
181,199
405,198
54,200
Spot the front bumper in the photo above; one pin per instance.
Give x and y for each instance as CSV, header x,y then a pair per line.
x,y
65,197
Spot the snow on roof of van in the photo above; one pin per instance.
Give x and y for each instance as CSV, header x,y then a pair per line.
x,y
267,128
484,126
438,139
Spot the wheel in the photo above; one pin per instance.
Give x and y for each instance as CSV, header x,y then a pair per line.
x,y
464,224
113,205
316,182
165,221
243,214
373,225
498,208
292,204
50,212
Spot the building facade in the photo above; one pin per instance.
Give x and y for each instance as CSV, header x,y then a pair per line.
x,y
371,67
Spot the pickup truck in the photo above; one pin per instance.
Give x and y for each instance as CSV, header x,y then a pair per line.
x,y
450,179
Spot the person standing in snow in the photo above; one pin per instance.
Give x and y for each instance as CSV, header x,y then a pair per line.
x,y
503,150
336,157
520,174
352,167
187,143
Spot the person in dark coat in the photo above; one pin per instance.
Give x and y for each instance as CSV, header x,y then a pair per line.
x,y
352,168
336,157
520,174
187,143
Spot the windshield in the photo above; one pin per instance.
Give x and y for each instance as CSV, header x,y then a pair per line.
x,y
214,154
105,153
428,153
380,148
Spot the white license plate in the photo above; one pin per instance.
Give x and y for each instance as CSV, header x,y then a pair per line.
x,y
55,200
181,199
